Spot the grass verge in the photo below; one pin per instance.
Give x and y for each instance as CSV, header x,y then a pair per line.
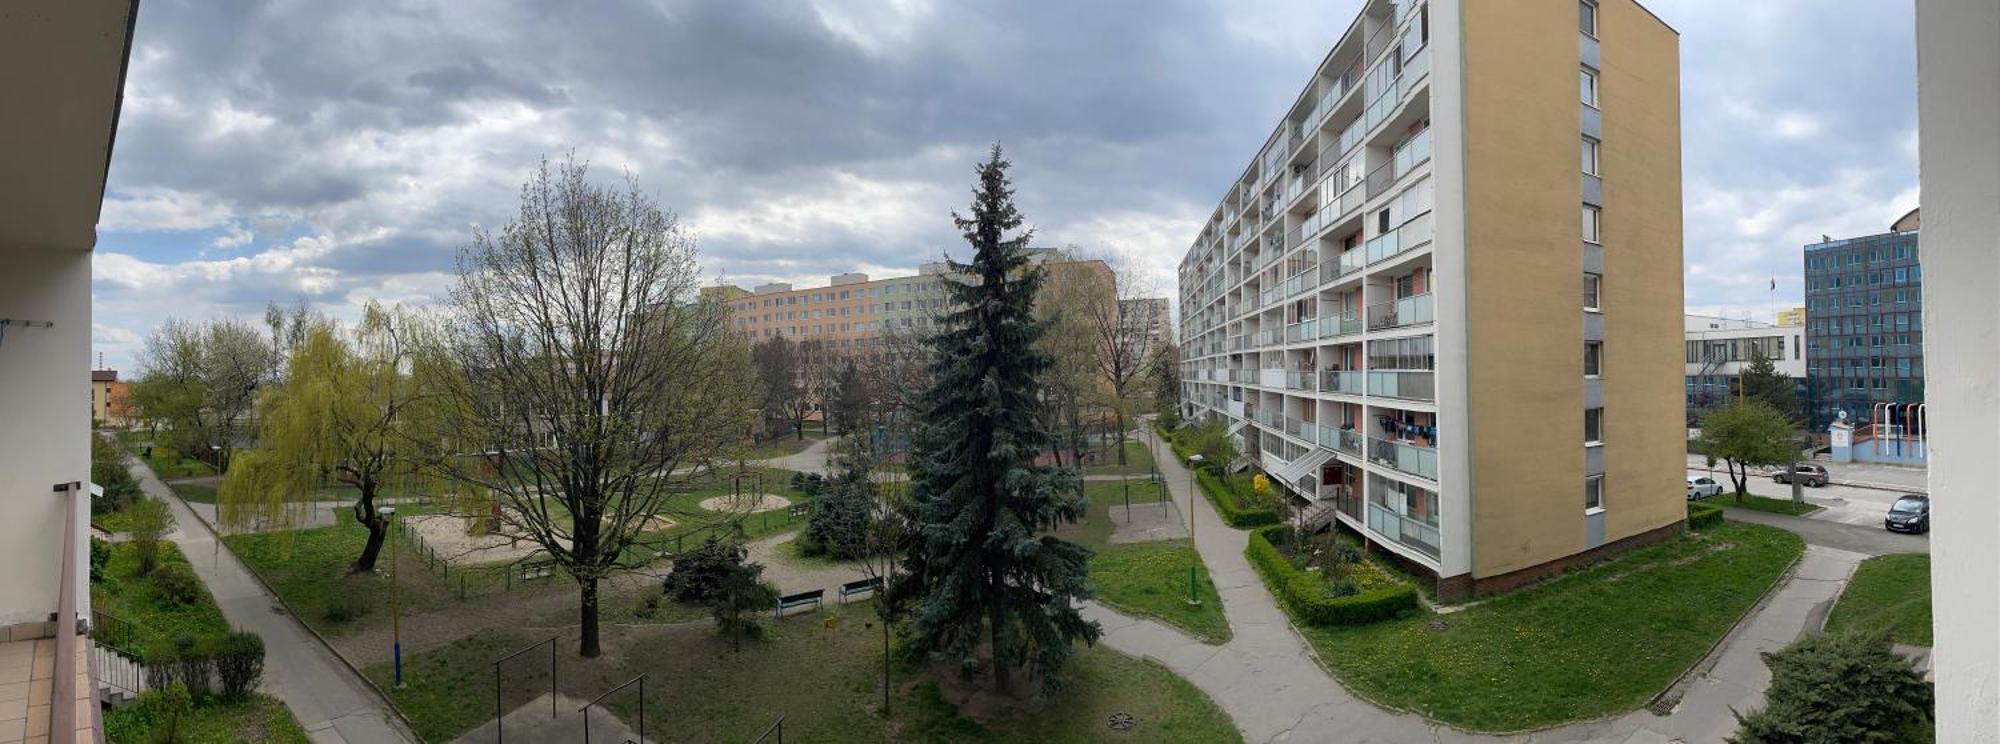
x,y
259,718
1601,640
1765,504
1889,594
1151,579
310,569
1144,491
154,619
1138,461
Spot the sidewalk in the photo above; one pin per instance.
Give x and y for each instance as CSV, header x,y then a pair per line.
x,y
330,701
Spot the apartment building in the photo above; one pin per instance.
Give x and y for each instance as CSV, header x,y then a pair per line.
x,y
62,71
1864,323
1719,349
1439,302
110,398
852,309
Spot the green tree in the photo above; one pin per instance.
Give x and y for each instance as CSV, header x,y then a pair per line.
x,y
1747,434
847,400
1840,688
1210,438
1166,373
348,411
107,469
201,382
994,577
781,392
1762,381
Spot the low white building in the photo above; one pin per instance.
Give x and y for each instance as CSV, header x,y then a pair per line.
x,y
62,76
1719,349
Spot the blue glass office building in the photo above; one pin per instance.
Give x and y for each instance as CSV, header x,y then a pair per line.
x,y
1864,324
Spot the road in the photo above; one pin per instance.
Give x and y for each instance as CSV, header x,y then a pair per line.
x,y
1846,504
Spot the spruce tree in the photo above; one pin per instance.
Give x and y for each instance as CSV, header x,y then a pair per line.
x,y
993,578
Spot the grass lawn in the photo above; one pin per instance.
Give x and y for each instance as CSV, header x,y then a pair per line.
x,y
309,568
165,462
1763,504
820,670
781,447
1888,594
155,621
260,718
1113,492
1138,461
1151,579
1598,641
194,493
118,521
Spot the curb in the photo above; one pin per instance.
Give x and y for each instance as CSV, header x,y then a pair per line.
x,y
1670,697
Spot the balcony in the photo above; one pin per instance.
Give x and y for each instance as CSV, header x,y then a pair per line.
x,y
1413,234
1408,385
1404,530
1404,456
1409,311
1341,381
1348,263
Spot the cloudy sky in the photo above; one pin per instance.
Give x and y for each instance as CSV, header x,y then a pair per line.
x,y
334,152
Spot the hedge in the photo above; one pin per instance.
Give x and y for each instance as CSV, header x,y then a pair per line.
x,y
1225,500
1703,516
1305,593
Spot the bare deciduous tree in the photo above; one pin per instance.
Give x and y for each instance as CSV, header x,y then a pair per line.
x,y
589,372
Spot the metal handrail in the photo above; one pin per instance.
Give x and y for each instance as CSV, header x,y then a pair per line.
x,y
500,713
585,710
777,728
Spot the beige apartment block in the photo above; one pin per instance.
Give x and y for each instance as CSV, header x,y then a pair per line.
x,y
1442,305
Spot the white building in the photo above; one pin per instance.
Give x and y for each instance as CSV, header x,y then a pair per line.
x,y
1719,349
62,75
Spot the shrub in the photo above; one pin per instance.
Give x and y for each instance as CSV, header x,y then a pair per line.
x,y
1311,598
166,708
162,662
1229,500
177,585
700,573
239,664
1840,687
100,556
194,663
838,521
150,520
739,598
107,470
348,603
1703,516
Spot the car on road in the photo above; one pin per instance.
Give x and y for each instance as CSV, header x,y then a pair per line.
x,y
1910,513
1701,487
1807,473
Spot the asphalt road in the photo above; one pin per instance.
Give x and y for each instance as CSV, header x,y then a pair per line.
x,y
1846,504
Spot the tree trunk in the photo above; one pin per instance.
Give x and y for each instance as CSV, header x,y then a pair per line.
x,y
378,530
590,647
885,656
1121,434
1002,678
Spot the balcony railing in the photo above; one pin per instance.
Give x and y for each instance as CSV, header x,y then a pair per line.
x,y
1409,458
1413,310
1341,381
1409,385
1404,530
1413,234
1301,381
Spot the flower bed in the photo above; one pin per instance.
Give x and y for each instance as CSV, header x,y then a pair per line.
x,y
1381,595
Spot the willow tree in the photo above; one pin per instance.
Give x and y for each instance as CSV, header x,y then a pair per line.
x,y
592,376
348,413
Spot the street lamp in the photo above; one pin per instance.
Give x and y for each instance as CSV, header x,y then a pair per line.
x,y
395,619
1194,461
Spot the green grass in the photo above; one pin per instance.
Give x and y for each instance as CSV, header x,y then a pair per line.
x,y
1763,504
154,620
1889,594
821,671
258,719
165,461
1138,461
118,521
775,448
1596,642
1144,491
309,569
1151,579
194,493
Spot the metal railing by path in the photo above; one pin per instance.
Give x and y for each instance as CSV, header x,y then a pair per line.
x,y
585,710
499,689
775,734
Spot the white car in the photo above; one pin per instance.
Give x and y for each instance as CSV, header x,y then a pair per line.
x,y
1703,487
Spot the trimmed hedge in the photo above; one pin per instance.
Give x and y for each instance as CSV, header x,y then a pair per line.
x,y
1305,593
1225,500
1703,516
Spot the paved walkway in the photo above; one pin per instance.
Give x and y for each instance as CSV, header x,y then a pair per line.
x,y
331,702
1268,682
1868,540
812,459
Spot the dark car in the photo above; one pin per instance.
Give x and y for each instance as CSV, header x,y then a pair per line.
x,y
1910,513
1809,474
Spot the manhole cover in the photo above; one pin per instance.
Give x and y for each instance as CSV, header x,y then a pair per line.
x,y
1121,721
1439,626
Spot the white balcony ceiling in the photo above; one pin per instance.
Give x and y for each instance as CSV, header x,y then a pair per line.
x,y
61,79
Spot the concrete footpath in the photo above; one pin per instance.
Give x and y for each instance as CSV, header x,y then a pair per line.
x,y
333,703
1267,680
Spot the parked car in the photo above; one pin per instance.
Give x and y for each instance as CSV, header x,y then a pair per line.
x,y
1910,513
1807,473
1702,487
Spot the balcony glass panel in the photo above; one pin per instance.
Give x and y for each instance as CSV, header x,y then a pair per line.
x,y
1410,385
1404,456
1341,381
1407,311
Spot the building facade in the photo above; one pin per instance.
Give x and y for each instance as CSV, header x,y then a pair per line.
x,y
1864,324
1400,314
110,398
1719,349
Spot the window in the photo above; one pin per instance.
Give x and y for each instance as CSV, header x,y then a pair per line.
x,y
1593,426
1590,156
1586,20
1591,217
1592,283
1593,358
1588,89
1593,493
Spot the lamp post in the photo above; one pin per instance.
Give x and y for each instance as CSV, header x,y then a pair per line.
x,y
1194,461
395,619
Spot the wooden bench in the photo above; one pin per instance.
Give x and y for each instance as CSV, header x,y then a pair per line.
x,y
800,511
537,570
863,586
800,599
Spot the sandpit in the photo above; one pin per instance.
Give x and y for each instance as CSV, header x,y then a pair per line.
x,y
749,503
447,535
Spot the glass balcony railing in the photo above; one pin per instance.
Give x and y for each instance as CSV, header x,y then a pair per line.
x,y
1341,381
1410,385
1413,533
1409,458
1414,310
1300,381
1413,234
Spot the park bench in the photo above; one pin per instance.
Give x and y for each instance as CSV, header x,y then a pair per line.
x,y
800,511
537,570
800,599
863,586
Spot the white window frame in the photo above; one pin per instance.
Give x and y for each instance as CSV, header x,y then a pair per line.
x,y
1591,153
1593,484
1593,292
1599,441
1592,6
1587,346
1592,225
1587,87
